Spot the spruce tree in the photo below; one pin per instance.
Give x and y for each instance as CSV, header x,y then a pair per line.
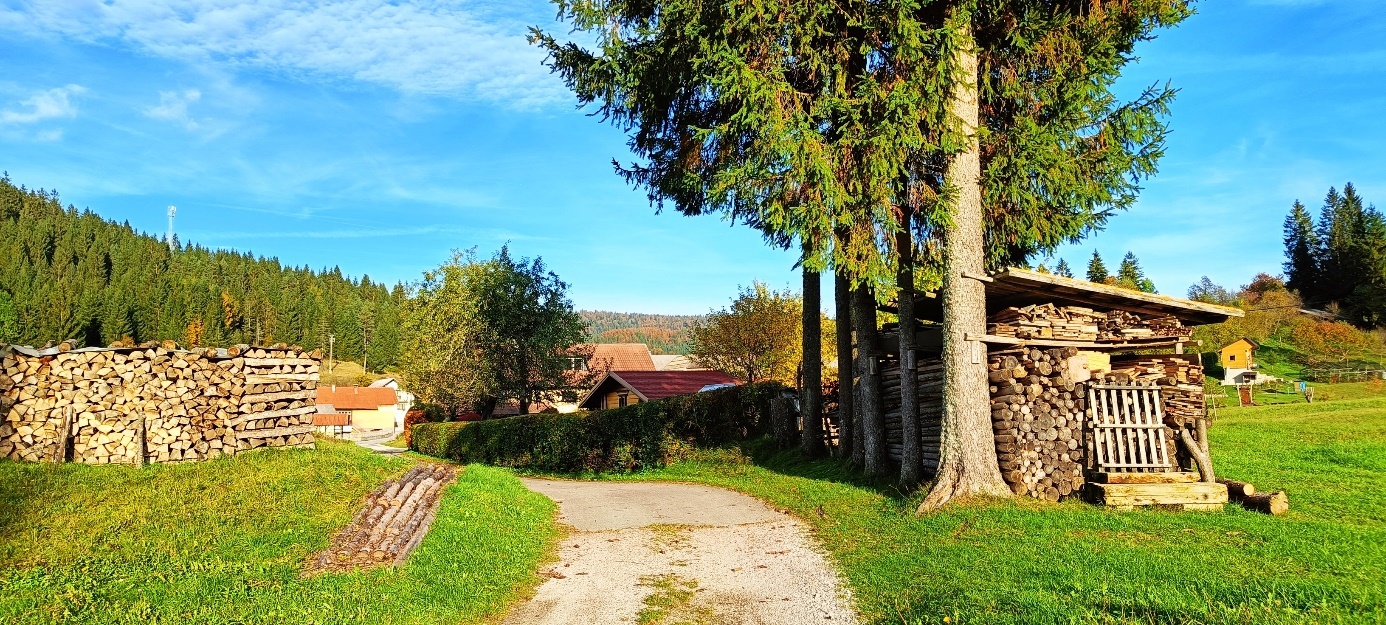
x,y
1302,251
1097,270
1062,269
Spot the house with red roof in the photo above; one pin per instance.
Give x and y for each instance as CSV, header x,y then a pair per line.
x,y
624,388
367,407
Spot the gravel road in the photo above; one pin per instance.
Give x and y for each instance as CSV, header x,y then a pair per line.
x,y
680,553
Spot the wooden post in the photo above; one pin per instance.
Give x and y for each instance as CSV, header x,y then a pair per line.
x,y
144,440
64,433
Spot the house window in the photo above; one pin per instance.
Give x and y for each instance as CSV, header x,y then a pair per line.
x,y
577,364
1231,357
621,399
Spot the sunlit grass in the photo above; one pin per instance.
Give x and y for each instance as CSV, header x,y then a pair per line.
x,y
225,542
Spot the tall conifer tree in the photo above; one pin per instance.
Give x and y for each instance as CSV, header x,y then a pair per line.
x,y
1302,253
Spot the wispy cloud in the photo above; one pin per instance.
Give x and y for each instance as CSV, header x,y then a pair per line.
x,y
50,104
436,47
173,106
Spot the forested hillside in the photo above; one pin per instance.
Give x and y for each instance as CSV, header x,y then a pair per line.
x,y
69,274
665,334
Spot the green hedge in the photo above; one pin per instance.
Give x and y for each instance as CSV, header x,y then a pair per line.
x,y
643,435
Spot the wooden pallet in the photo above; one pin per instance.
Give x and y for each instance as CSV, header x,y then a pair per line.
x,y
1184,495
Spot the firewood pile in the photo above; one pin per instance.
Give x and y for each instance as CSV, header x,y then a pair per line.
x,y
1180,379
1076,323
153,402
929,381
1037,414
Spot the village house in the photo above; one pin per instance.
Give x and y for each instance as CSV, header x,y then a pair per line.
x,y
624,388
1238,360
371,408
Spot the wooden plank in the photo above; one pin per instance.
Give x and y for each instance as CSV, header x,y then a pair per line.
x,y
276,378
1010,340
1180,477
281,396
277,362
273,432
1158,494
272,414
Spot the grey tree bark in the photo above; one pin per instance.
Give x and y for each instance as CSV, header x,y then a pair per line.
x,y
811,393
846,403
967,463
912,454
869,394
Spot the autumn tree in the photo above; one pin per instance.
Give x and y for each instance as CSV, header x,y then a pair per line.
x,y
477,332
756,338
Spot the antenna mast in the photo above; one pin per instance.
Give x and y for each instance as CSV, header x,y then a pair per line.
x,y
172,210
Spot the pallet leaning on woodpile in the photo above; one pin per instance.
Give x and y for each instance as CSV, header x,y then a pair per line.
x,y
153,402
1037,414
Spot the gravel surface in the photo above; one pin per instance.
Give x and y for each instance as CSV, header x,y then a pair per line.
x,y
738,560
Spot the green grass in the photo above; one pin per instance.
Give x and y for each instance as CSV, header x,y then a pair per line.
x,y
1032,562
225,542
1280,394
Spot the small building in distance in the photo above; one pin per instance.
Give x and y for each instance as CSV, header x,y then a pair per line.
x,y
1238,360
1240,354
675,362
373,408
624,388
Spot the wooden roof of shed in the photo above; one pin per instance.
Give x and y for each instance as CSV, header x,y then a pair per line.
x,y
1023,287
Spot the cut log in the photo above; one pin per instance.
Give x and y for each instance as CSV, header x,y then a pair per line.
x,y
1276,503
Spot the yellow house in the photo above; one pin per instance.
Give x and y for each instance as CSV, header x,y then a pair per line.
x,y
370,408
1240,354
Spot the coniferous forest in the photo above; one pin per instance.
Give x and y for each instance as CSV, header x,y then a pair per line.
x,y
70,274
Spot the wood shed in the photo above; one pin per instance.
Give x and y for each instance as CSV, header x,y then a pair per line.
x,y
1092,391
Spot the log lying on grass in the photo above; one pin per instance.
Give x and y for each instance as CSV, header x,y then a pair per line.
x,y
391,524
1237,491
1276,503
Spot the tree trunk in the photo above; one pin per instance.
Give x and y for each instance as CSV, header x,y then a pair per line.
x,y
912,453
872,434
967,463
846,432
811,388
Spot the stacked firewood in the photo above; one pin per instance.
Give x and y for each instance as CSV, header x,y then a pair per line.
x,y
277,405
1076,323
1179,377
1037,413
929,382
153,402
1047,321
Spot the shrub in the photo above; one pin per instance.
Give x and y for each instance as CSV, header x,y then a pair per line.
x,y
640,436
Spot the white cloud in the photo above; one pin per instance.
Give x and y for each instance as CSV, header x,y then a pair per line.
x,y
437,47
173,106
50,104
55,134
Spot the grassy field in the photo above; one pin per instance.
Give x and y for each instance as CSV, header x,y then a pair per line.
x,y
1031,562
225,542
1280,394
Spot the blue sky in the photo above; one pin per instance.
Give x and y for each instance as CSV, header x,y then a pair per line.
x,y
379,136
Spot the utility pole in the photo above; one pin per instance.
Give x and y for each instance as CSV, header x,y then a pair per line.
x,y
331,341
257,331
172,210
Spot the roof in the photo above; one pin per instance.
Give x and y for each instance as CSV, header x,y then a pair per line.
x,y
621,357
356,397
1254,344
674,362
385,383
653,385
1022,287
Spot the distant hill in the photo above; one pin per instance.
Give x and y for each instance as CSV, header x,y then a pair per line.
x,y
665,334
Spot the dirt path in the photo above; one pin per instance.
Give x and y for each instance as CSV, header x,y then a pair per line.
x,y
678,553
